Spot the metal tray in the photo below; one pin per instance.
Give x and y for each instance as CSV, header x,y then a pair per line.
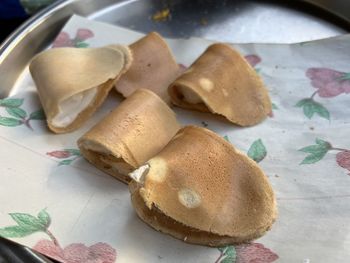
x,y
233,21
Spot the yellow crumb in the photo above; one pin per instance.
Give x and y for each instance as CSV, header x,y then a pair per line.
x,y
204,22
161,15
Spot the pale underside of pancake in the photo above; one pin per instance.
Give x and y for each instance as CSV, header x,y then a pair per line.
x,y
154,67
130,135
202,190
73,82
222,82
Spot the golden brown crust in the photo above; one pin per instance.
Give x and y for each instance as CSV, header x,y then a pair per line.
x,y
200,181
225,84
160,222
133,132
61,73
154,67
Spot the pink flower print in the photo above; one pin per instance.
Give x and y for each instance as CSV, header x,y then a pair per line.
x,y
253,59
49,249
254,253
59,154
69,155
182,67
83,34
273,107
343,159
77,253
329,82
27,224
63,40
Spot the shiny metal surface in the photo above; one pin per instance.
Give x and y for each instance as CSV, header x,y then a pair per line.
x,y
11,252
233,21
341,8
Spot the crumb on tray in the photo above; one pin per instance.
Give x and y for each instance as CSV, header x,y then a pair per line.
x,y
203,21
161,15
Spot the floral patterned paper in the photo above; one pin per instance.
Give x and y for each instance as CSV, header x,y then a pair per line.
x,y
317,151
73,253
18,116
64,40
67,156
303,147
329,83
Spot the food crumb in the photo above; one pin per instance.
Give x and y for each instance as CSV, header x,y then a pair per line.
x,y
204,124
276,175
311,128
204,21
182,67
162,15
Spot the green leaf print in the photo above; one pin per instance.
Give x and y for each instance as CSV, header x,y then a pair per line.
x,y
15,231
17,112
274,106
10,122
316,152
323,143
26,225
301,103
66,162
313,107
226,138
257,151
222,249
27,221
75,152
11,103
44,218
229,254
37,115
310,107
346,76
81,45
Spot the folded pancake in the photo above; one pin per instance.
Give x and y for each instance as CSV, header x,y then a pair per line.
x,y
221,81
202,190
130,135
154,67
73,82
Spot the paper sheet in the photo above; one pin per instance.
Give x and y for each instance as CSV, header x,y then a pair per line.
x,y
53,200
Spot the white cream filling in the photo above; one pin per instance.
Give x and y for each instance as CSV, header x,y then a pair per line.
x,y
189,95
137,175
71,107
118,166
92,146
